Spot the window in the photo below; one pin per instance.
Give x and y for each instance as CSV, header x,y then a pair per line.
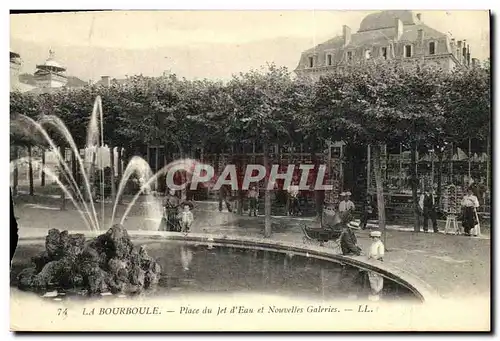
x,y
311,62
368,54
329,59
349,56
383,52
432,47
408,51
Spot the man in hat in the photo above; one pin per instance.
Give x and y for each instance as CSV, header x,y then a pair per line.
x,y
428,208
346,204
348,241
376,252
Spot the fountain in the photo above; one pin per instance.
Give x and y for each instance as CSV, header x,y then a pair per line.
x,y
110,263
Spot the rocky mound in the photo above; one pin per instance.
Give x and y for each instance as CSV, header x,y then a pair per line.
x,y
107,263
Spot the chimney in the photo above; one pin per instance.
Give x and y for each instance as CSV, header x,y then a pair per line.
x,y
399,29
419,16
468,54
346,31
420,36
105,80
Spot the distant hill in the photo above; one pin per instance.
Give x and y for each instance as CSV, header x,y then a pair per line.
x,y
73,82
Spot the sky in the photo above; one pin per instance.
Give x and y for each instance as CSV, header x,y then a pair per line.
x,y
199,44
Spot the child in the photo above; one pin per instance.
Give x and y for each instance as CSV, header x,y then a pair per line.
x,y
377,253
186,217
253,196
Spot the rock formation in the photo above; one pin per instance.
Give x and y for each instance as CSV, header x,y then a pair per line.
x,y
107,263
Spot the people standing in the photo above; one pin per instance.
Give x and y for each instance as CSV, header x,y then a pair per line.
x,y
346,206
293,193
367,211
225,196
376,252
253,197
469,205
427,204
169,220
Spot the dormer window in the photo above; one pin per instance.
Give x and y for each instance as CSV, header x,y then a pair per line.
x,y
383,52
329,60
408,51
432,47
311,62
349,56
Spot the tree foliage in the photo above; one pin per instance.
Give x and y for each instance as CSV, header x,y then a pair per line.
x,y
370,103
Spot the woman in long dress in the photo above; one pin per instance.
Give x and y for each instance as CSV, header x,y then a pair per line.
x,y
469,206
170,209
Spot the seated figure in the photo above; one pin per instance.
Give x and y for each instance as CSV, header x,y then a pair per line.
x,y
348,241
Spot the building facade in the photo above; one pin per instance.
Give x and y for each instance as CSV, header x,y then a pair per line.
x,y
15,69
400,35
50,74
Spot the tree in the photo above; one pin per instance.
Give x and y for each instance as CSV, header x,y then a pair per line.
x,y
22,135
375,103
261,112
462,103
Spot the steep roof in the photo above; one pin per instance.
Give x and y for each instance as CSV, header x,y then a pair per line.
x,y
73,82
385,19
373,37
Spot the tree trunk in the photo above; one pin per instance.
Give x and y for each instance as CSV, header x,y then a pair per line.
x,y
74,168
319,196
414,187
267,195
91,175
439,179
61,178
42,180
120,168
240,190
290,160
120,163
30,171
16,171
112,166
376,154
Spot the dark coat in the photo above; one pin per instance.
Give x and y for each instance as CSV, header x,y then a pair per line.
x,y
348,243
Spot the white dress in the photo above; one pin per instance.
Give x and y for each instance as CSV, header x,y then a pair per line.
x,y
376,281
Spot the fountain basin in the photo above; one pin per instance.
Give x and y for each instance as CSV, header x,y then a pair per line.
x,y
206,263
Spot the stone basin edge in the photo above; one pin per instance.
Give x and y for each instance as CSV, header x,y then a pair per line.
x,y
421,289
